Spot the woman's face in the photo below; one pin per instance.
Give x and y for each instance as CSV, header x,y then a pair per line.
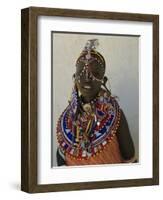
x,y
89,76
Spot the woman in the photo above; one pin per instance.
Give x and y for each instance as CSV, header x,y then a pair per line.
x,y
93,128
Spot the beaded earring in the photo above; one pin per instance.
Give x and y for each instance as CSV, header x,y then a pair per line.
x,y
74,101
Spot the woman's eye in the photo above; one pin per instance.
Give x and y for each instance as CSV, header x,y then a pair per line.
x,y
79,68
96,73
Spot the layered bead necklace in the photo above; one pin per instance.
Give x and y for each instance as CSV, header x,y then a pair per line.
x,y
88,134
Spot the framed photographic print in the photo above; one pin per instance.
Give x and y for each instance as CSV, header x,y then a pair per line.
x,y
90,99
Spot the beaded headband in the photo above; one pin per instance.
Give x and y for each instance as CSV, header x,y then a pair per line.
x,y
89,54
90,50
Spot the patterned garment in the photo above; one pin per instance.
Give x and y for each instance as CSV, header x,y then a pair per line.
x,y
109,155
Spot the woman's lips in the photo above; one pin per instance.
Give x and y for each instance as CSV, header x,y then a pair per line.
x,y
88,87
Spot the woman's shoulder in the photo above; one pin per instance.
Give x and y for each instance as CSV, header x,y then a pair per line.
x,y
124,138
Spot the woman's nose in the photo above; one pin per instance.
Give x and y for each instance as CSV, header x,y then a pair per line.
x,y
88,75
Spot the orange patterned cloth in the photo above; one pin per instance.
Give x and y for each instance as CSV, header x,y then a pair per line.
x,y
111,154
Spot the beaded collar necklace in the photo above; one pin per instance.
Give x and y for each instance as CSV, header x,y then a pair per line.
x,y
89,133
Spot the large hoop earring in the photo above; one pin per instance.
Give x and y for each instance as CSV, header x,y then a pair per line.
x,y
105,79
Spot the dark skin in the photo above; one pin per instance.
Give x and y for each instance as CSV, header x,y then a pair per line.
x,y
89,89
125,141
94,69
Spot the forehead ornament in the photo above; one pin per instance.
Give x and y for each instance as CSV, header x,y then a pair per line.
x,y
88,55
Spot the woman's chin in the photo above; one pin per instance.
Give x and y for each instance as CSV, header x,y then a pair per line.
x,y
86,92
88,95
